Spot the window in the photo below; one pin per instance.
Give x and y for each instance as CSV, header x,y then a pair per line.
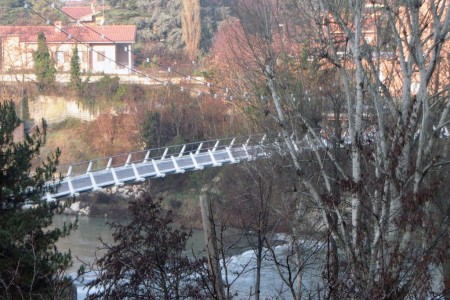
x,y
101,56
80,56
60,57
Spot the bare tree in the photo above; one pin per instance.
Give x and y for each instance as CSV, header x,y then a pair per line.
x,y
375,188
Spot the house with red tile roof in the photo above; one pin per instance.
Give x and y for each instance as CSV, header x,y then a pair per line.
x,y
105,49
87,14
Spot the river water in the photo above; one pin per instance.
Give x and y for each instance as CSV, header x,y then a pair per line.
x,y
84,243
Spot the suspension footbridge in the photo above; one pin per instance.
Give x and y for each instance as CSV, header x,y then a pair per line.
x,y
138,166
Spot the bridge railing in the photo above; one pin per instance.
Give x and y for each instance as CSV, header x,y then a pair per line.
x,y
162,153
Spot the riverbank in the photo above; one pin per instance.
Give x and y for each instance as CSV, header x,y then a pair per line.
x,y
241,262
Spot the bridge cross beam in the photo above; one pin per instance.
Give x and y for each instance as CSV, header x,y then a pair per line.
x,y
178,170
213,159
194,161
157,171
116,180
94,184
137,176
230,155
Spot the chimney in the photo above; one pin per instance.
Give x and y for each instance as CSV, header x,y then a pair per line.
x,y
58,26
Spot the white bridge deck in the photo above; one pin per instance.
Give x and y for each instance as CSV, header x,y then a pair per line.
x,y
139,166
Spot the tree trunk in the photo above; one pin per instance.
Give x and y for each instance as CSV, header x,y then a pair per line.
x,y
211,245
446,267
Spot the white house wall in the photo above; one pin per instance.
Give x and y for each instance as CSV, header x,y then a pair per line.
x,y
18,56
101,64
62,54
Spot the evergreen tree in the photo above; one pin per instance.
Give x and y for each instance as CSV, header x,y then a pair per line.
x,y
148,260
44,64
150,131
29,261
75,73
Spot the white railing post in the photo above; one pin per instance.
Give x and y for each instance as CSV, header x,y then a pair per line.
x,y
108,166
69,172
248,141
147,156
165,153
261,144
262,140
89,168
215,146
182,151
199,148
232,143
293,142
127,163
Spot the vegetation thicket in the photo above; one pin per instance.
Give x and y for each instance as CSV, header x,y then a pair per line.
x,y
148,259
30,265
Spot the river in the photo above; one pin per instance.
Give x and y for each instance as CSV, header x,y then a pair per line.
x,y
84,243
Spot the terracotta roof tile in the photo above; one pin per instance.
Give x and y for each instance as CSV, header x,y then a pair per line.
x,y
116,33
78,12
